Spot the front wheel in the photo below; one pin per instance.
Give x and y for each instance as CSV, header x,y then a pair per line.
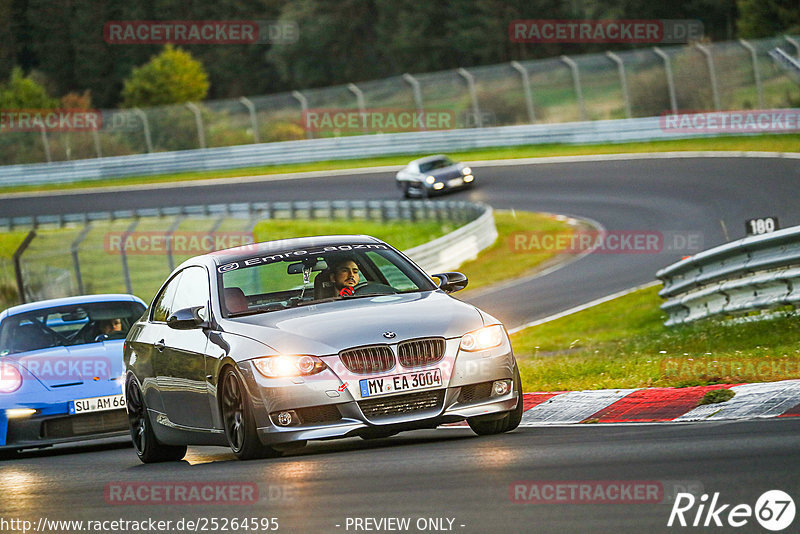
x,y
240,425
509,422
148,448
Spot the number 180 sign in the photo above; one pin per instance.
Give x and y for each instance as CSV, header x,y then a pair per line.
x,y
762,225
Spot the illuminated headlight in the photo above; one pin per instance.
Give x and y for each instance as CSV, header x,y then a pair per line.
x,y
438,185
295,365
19,412
468,178
466,170
10,379
430,179
484,338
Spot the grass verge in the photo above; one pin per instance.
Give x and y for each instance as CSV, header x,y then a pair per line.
x,y
623,343
769,143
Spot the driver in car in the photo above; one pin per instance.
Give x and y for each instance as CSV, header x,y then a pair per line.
x,y
344,276
109,326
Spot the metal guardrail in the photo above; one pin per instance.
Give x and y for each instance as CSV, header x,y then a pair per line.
x,y
426,142
754,273
136,271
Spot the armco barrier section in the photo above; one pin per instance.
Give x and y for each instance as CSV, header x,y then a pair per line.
x,y
754,273
363,146
55,265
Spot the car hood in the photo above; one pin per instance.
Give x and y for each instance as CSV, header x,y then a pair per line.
x,y
75,365
453,171
329,327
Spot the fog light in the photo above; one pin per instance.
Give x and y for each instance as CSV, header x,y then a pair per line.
x,y
468,178
285,418
19,412
501,387
438,185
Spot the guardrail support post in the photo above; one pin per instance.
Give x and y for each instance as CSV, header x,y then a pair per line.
x,y
623,81
146,128
756,73
673,100
96,139
251,109
415,88
17,257
526,87
173,227
473,94
712,73
301,98
75,261
576,80
125,271
198,119
362,107
46,144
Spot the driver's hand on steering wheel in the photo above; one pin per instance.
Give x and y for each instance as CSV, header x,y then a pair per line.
x,y
346,291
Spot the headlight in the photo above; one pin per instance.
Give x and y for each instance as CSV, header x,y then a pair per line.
x,y
10,379
466,170
484,338
294,365
430,179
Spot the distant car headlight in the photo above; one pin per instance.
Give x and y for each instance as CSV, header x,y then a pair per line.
x,y
484,338
430,179
466,170
285,365
10,379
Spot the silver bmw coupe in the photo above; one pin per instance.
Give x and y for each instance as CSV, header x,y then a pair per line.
x,y
266,346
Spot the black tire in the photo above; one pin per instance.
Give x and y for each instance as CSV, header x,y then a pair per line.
x,y
483,427
238,420
148,448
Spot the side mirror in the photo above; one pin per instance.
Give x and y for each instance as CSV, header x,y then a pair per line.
x,y
451,282
187,318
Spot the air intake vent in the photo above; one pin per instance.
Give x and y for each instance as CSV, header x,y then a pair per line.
x,y
402,404
364,360
420,352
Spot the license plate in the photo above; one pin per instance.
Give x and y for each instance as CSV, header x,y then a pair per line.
x,y
96,404
404,382
455,182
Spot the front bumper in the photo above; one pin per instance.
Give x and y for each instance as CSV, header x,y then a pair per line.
x,y
329,405
52,424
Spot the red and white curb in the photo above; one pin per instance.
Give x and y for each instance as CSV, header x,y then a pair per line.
x,y
764,400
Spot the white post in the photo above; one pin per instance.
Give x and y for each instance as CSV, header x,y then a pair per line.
x,y
473,94
622,81
198,119
576,79
526,87
253,120
712,73
756,73
673,101
146,127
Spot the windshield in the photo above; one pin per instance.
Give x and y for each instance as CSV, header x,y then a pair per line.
x,y
435,164
302,277
67,325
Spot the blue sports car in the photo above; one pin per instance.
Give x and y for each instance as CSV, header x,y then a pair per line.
x,y
61,369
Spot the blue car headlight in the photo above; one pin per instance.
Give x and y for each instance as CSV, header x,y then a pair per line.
x,y
10,378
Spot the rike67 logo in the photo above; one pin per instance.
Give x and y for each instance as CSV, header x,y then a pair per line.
x,y
774,510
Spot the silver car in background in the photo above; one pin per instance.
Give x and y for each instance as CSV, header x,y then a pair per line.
x,y
255,348
431,175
